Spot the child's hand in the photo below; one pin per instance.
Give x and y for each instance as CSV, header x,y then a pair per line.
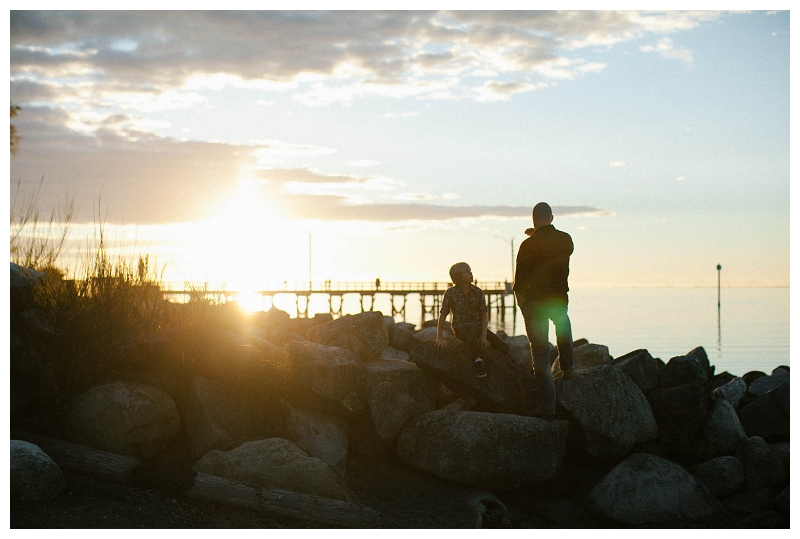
x,y
440,343
484,341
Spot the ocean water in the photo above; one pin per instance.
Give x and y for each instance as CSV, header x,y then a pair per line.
x,y
750,331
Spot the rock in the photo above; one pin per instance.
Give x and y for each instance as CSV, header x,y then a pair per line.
x,y
275,318
502,390
408,326
766,520
219,416
722,378
641,367
485,450
762,468
275,463
766,383
768,415
722,475
781,503
752,501
22,276
325,378
782,450
611,410
321,435
403,339
392,353
682,370
723,431
681,414
732,392
646,489
123,418
750,377
702,357
33,474
586,357
397,392
429,334
520,352
363,334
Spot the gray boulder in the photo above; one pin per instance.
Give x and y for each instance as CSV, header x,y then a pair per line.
x,y
646,489
682,370
641,367
732,392
364,334
723,431
321,435
766,383
681,414
429,334
766,520
762,467
123,418
325,378
397,392
484,450
723,476
22,276
585,357
752,501
33,474
610,409
220,417
782,502
502,390
768,415
520,352
275,463
403,339
782,450
393,353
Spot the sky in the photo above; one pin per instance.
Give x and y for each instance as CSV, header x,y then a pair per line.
x,y
256,147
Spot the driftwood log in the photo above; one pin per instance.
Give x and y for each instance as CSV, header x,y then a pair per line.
x,y
127,470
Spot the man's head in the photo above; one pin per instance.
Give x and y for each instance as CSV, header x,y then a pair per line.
x,y
542,215
457,271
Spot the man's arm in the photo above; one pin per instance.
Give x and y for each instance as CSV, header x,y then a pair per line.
x,y
484,327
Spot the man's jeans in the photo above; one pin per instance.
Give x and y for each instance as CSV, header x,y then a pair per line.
x,y
537,315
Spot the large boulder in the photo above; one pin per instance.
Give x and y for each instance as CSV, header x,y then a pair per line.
x,y
124,418
429,334
403,339
762,385
762,467
321,435
219,416
768,415
33,474
723,476
723,431
681,414
520,352
394,353
275,463
484,450
364,334
585,357
324,378
611,411
641,367
645,489
732,391
682,370
502,390
397,392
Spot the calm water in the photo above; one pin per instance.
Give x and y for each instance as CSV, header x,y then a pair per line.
x,y
751,332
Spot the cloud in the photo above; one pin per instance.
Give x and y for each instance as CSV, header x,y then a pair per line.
x,y
362,163
392,115
667,50
323,56
681,179
620,164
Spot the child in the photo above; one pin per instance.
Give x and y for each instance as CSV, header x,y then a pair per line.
x,y
470,315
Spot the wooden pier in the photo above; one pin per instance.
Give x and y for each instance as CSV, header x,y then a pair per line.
x,y
499,295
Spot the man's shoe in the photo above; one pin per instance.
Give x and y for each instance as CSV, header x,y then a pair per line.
x,y
479,369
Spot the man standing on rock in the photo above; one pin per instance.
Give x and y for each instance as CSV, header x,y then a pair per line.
x,y
540,284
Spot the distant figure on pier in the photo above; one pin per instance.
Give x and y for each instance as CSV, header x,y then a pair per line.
x,y
378,283
540,284
470,319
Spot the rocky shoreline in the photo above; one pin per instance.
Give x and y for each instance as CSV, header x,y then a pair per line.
x,y
357,418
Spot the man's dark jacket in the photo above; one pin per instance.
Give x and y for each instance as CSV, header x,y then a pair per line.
x,y
543,265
